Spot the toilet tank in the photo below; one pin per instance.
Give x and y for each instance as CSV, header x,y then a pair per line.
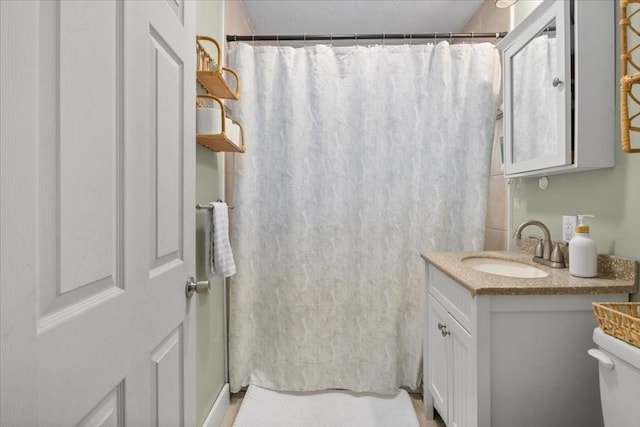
x,y
619,373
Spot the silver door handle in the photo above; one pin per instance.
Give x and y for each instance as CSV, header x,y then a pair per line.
x,y
196,287
556,82
441,326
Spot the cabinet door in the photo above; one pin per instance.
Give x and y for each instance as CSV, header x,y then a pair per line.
x,y
537,91
463,396
437,354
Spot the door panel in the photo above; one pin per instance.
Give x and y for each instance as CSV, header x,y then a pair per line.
x,y
464,410
87,89
167,124
97,161
166,398
109,412
79,204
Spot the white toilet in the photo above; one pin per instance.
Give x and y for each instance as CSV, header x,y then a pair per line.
x,y
619,367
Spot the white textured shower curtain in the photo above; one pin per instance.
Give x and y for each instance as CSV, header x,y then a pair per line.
x,y
358,159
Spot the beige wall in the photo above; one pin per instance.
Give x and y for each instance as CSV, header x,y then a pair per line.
x,y
236,20
522,9
488,18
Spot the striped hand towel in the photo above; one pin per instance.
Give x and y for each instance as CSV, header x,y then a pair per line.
x,y
218,250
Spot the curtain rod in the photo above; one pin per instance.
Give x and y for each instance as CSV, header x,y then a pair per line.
x,y
382,36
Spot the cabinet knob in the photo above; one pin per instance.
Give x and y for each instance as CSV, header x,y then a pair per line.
x,y
556,82
443,329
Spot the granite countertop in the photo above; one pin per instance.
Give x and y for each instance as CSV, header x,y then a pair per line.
x,y
615,275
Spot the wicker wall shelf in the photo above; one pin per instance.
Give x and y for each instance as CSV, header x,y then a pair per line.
x,y
630,80
212,75
221,141
214,83
213,78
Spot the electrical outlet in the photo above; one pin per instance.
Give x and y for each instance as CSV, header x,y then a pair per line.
x,y
569,223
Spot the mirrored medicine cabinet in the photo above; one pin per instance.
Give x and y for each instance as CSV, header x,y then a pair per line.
x,y
559,89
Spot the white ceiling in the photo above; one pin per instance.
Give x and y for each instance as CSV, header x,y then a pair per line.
x,y
358,16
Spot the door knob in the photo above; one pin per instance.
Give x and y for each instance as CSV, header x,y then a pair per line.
x,y
441,326
196,287
556,82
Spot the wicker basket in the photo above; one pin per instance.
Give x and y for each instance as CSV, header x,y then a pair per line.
x,y
621,320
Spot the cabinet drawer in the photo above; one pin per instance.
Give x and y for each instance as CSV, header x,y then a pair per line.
x,y
455,298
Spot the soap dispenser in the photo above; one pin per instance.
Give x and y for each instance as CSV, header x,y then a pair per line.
x,y
583,256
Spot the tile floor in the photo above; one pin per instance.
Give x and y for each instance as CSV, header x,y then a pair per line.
x,y
416,399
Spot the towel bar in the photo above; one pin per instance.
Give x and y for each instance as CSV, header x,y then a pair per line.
x,y
201,207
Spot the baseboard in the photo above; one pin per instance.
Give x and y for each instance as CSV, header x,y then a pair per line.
x,y
214,419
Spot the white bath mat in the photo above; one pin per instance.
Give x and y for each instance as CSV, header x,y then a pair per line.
x,y
266,408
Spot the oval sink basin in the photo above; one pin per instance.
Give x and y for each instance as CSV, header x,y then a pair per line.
x,y
503,267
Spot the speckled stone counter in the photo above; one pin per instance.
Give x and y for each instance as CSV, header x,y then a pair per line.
x,y
615,275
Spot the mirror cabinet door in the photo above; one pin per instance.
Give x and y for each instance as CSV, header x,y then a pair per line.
x,y
538,95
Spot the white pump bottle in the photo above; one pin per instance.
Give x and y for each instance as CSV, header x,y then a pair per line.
x,y
583,256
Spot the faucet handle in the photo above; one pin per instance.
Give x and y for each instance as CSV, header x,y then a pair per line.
x,y
556,254
539,250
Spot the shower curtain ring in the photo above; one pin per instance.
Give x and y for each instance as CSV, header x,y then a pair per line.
x,y
410,39
472,36
253,40
450,37
278,39
356,34
331,39
383,38
304,38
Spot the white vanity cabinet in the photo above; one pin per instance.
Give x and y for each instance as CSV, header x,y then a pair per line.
x,y
449,350
451,366
509,360
559,89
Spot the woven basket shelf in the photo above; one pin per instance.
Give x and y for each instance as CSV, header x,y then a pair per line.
x,y
211,75
621,320
220,141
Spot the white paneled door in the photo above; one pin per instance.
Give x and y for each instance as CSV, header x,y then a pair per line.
x,y
97,212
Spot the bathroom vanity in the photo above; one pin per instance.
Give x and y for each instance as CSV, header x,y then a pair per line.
x,y
502,351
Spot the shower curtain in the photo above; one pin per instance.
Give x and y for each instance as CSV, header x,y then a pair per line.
x,y
358,159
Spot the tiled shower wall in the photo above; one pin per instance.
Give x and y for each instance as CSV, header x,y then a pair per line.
x,y
496,225
236,21
491,19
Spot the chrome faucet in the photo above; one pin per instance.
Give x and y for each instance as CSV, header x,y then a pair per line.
x,y
543,253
